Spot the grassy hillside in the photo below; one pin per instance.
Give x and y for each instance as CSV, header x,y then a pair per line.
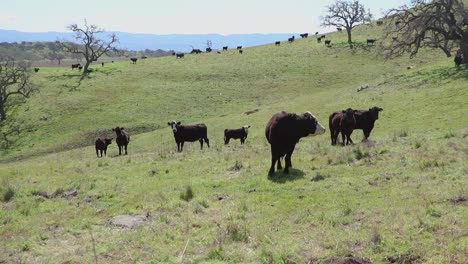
x,y
395,197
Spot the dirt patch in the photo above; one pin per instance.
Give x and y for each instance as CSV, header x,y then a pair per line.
x,y
129,221
404,259
462,199
349,260
63,194
252,111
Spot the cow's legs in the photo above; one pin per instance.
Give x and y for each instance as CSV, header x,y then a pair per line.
x,y
207,141
120,150
126,153
201,143
274,158
287,160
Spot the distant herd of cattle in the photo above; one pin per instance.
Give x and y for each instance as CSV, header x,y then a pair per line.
x,y
283,132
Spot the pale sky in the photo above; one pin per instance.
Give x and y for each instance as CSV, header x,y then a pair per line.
x,y
175,16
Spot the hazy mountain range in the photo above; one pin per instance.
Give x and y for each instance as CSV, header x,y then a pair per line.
x,y
177,42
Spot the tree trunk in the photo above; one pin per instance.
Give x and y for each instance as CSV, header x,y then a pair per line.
x,y
85,68
464,48
2,111
350,41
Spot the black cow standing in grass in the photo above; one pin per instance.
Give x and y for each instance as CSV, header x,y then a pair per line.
x,y
134,60
122,139
225,48
371,41
291,39
284,130
343,122
76,65
189,133
365,120
101,146
239,133
277,43
179,55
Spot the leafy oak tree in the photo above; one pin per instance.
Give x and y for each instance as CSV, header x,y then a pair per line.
x,y
14,81
91,44
346,14
438,24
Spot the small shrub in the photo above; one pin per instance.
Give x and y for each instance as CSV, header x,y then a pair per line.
x,y
204,203
319,177
152,173
449,134
266,256
187,195
359,154
26,246
237,232
417,145
431,211
383,151
8,193
237,166
216,253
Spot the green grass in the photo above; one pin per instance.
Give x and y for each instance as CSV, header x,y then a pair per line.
x,y
377,200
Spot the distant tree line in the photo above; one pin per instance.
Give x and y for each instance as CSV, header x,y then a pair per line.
x,y
37,51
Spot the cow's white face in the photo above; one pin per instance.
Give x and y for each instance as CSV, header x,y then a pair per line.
x,y
246,129
174,125
319,129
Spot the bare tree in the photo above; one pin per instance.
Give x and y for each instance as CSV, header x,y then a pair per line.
x,y
90,44
439,24
14,80
346,14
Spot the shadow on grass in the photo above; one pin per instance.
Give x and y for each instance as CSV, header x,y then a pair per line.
x,y
281,177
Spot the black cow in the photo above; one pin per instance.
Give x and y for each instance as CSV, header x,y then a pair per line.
x,y
339,29
76,65
328,42
284,130
240,51
239,47
305,35
394,38
144,57
379,23
277,43
102,64
365,120
319,39
208,50
36,69
196,51
101,146
343,122
189,133
240,133
123,138
225,48
134,60
371,41
291,39
80,68
179,55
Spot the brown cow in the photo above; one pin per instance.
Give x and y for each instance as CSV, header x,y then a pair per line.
x,y
123,138
284,130
365,120
343,122
101,145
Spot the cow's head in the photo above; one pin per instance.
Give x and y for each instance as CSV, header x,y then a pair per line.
x,y
349,112
118,130
174,124
375,112
319,129
246,129
108,141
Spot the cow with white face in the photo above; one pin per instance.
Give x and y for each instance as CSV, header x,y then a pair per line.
x,y
189,133
239,133
283,132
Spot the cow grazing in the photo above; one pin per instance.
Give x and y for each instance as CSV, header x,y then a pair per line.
x,y
328,42
134,60
122,139
144,57
36,69
179,55
173,53
277,43
102,64
80,68
291,39
240,51
76,65
284,130
371,41
189,133
101,146
208,50
316,33
225,48
240,133
239,47
343,122
365,120
304,35
196,51
319,39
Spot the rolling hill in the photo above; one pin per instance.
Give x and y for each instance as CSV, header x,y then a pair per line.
x,y
399,197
